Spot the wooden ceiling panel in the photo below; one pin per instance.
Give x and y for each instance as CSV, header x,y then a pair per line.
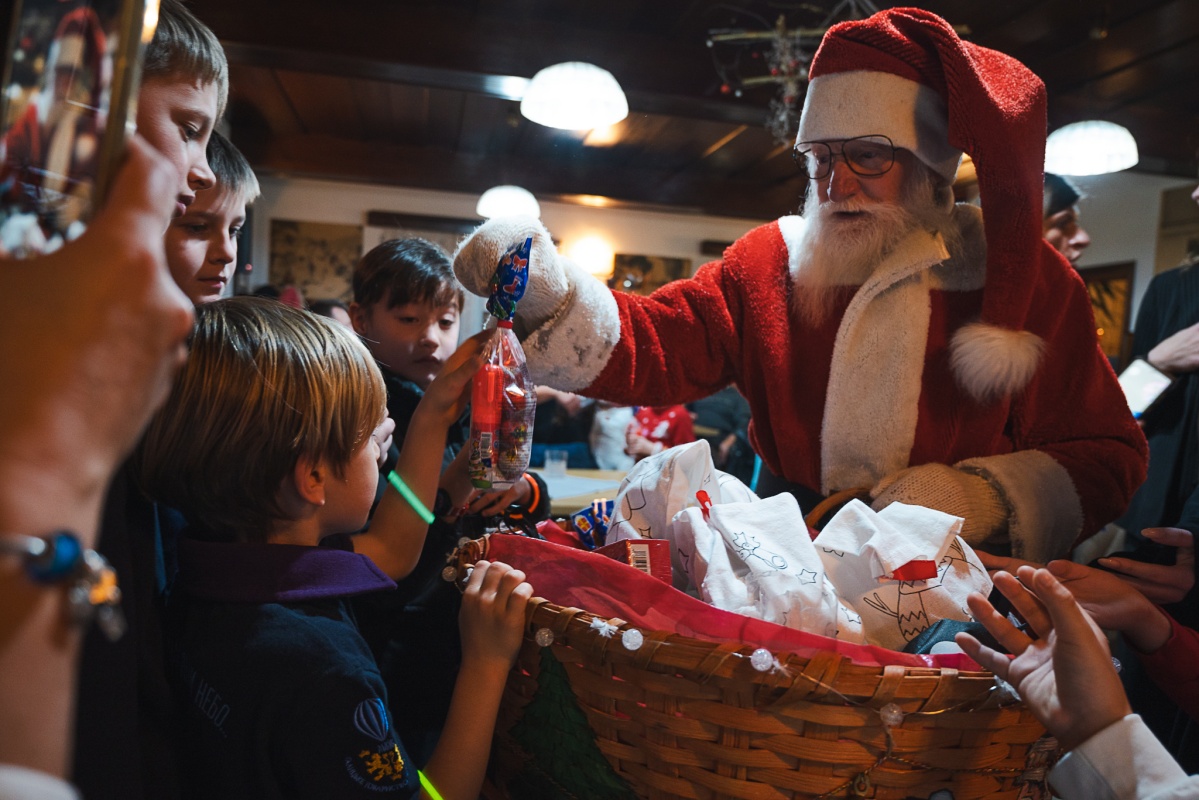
x,y
415,91
324,103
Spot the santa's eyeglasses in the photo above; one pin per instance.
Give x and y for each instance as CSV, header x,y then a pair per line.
x,y
868,156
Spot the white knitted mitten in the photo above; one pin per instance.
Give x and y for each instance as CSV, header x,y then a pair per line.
x,y
962,494
549,284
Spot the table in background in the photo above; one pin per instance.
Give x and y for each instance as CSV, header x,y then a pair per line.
x,y
579,488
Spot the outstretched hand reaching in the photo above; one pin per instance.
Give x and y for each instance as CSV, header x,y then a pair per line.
x,y
1065,676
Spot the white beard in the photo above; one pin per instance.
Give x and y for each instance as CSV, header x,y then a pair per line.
x,y
838,251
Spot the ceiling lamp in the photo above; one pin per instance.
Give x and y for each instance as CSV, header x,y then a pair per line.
x,y
508,201
1093,147
574,96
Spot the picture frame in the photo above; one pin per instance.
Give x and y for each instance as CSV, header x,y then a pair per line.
x,y
640,274
68,100
1110,289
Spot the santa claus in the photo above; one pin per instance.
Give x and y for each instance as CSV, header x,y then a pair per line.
x,y
887,340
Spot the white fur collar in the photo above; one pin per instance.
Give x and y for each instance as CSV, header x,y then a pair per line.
x,y
868,430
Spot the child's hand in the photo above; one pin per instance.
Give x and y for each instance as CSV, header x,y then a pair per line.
x,y
1161,583
493,614
383,436
491,503
448,394
1065,676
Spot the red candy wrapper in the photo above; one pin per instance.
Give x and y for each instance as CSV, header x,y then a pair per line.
x,y
502,398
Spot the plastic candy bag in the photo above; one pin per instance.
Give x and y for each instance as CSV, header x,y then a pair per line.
x,y
502,396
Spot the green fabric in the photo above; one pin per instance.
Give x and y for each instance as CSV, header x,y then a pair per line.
x,y
564,760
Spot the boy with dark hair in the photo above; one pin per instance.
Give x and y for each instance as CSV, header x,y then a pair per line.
x,y
406,307
124,725
202,242
269,444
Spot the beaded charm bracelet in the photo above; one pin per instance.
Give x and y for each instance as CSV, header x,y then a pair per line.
x,y
58,557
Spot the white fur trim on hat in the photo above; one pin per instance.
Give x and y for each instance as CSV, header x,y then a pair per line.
x,y
842,105
990,361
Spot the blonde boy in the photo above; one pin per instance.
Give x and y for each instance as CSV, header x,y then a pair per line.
x,y
266,445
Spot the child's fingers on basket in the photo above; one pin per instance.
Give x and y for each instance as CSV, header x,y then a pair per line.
x,y
986,657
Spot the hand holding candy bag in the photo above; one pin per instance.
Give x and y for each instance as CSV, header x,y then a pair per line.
x,y
502,399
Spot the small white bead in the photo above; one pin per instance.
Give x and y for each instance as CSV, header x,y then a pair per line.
x,y
544,637
761,659
632,639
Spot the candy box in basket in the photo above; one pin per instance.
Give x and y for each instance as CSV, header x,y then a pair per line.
x,y
628,688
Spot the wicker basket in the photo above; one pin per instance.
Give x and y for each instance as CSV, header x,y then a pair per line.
x,y
679,717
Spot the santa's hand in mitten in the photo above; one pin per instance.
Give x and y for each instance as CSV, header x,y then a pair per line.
x,y
549,283
962,494
567,320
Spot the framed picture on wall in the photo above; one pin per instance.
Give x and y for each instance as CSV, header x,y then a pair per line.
x,y
1110,289
318,258
70,78
644,274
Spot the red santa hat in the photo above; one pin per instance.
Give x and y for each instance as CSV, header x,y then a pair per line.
x,y
79,43
904,73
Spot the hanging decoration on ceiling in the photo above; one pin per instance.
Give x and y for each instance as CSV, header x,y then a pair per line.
x,y
779,56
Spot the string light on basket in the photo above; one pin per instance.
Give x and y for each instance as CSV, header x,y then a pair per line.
x,y
603,627
765,661
544,637
891,715
632,639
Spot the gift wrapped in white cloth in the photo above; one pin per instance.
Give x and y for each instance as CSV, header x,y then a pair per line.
x,y
901,569
875,577
662,485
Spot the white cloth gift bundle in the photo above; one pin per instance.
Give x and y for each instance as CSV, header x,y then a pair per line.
x,y
662,485
862,550
882,578
756,559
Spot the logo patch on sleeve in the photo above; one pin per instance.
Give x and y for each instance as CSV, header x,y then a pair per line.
x,y
379,767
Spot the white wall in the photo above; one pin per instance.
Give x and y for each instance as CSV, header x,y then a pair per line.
x,y
652,233
1121,212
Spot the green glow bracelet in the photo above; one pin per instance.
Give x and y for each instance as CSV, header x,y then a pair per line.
x,y
425,782
421,510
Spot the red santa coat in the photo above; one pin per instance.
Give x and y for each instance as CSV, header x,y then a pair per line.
x,y
874,390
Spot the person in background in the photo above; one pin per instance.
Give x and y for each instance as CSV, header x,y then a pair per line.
x,y
79,378
281,696
609,436
1167,336
202,242
656,428
1061,227
726,413
1066,678
332,308
563,422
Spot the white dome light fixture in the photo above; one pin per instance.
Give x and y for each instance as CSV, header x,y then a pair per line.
x,y
508,201
574,96
1093,147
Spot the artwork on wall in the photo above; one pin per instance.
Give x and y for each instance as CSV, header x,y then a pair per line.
x,y
317,258
1110,288
643,274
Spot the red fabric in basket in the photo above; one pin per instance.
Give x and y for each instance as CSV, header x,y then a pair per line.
x,y
608,588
